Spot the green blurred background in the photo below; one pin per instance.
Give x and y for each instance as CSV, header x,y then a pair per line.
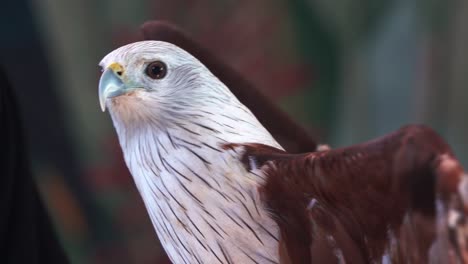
x,y
348,70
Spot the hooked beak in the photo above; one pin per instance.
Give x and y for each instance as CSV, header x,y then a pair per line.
x,y
113,84
110,85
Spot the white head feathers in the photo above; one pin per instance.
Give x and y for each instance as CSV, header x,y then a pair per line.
x,y
189,92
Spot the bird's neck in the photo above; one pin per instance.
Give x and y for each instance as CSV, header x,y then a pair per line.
x,y
202,201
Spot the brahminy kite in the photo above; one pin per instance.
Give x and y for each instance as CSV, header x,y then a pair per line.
x,y
219,188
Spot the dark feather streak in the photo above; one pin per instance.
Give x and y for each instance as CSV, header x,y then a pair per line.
x,y
225,254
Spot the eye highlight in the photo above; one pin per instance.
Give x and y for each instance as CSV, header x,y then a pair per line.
x,y
156,70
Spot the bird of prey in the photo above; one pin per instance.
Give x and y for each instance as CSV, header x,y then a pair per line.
x,y
219,188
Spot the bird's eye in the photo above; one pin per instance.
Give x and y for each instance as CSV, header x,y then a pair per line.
x,y
156,70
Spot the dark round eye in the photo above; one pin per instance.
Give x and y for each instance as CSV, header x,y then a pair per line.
x,y
156,70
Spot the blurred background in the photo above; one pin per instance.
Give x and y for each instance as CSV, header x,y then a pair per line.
x,y
348,70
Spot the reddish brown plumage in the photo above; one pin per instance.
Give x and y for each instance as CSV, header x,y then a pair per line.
x,y
364,195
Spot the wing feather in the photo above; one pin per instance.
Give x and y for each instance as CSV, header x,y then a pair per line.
x,y
398,198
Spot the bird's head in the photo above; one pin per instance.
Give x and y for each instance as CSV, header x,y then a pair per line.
x,y
156,81
157,86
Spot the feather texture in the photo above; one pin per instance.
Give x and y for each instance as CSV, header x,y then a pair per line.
x,y
390,200
203,203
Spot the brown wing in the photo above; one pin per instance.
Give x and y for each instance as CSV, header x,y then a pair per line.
x,y
295,139
397,199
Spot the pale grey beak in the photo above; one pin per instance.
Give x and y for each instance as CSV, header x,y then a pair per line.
x,y
110,85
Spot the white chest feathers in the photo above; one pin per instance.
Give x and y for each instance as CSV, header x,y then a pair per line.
x,y
202,202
